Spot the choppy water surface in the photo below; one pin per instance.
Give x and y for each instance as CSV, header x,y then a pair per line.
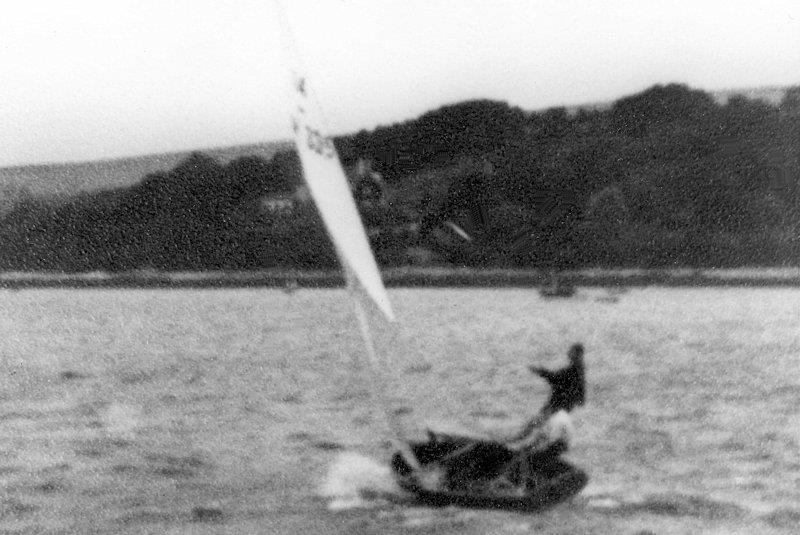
x,y
240,411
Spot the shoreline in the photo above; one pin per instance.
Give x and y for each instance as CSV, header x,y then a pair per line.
x,y
435,277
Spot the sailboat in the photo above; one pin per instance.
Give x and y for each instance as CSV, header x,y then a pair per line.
x,y
556,287
521,479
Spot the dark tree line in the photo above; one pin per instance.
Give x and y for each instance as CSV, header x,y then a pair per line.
x,y
664,177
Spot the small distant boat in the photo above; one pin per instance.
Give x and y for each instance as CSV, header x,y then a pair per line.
x,y
607,299
611,296
290,286
557,291
557,288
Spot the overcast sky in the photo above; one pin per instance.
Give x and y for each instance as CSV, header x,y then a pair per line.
x,y
85,80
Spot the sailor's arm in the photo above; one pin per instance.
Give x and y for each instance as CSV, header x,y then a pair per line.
x,y
542,372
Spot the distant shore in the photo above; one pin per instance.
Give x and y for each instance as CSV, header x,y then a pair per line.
x,y
409,277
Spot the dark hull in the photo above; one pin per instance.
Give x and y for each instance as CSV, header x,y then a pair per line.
x,y
554,481
563,488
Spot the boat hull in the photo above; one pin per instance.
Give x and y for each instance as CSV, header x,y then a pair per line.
x,y
498,481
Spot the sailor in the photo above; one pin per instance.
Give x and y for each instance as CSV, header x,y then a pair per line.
x,y
567,385
543,438
567,390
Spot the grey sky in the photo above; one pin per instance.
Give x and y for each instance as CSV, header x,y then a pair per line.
x,y
92,79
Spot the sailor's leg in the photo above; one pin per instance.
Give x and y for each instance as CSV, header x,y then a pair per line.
x,y
556,430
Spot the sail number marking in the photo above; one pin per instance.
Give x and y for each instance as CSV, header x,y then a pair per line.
x,y
319,143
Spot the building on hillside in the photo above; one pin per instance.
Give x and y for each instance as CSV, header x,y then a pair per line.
x,y
277,203
366,184
284,202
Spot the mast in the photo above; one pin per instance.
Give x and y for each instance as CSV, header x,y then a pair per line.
x,y
378,384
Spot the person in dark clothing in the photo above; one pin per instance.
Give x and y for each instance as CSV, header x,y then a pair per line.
x,y
542,439
567,391
567,385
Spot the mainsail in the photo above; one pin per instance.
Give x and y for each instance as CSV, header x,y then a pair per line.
x,y
331,193
329,187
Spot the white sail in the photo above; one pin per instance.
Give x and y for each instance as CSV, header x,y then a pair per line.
x,y
329,187
330,190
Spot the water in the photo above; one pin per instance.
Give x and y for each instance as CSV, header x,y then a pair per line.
x,y
245,411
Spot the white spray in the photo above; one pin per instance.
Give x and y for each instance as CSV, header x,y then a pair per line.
x,y
354,480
